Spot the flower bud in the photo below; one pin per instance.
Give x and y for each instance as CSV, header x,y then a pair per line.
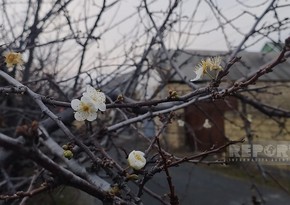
x,y
68,154
65,147
136,160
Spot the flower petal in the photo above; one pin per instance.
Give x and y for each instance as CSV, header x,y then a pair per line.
x,y
92,116
136,160
86,99
76,104
90,90
101,96
80,116
199,73
101,106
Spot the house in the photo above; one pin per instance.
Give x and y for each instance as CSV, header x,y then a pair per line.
x,y
202,126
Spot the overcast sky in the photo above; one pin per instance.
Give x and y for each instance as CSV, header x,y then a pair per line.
x,y
203,21
123,29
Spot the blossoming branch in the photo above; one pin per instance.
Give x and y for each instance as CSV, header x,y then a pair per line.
x,y
91,101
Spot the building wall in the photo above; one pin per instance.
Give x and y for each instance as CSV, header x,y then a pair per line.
x,y
263,127
173,137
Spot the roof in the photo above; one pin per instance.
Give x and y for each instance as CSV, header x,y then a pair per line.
x,y
117,83
250,62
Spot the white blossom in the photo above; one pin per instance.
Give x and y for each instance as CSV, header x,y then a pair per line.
x,y
136,160
180,123
249,117
13,58
205,66
214,63
207,124
98,98
199,70
85,109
